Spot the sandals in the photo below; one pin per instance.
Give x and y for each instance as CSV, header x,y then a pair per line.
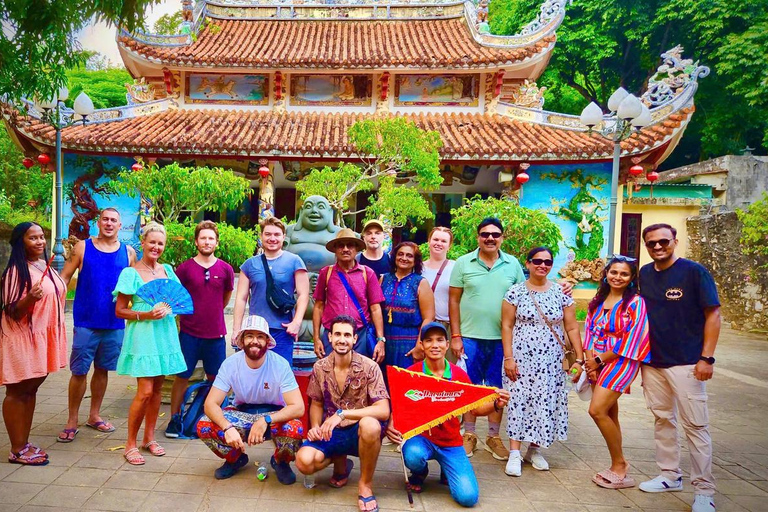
x,y
610,480
154,448
339,481
363,501
29,456
102,426
67,435
416,481
134,458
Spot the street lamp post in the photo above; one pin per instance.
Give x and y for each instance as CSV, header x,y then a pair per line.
x,y
52,114
627,114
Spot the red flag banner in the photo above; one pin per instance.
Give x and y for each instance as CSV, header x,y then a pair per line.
x,y
420,402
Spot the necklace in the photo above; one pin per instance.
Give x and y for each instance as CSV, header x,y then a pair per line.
x,y
154,272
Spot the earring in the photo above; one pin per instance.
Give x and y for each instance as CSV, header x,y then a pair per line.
x,y
631,284
605,280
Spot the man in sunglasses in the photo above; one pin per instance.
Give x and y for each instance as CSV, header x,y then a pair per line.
x,y
210,282
478,283
684,322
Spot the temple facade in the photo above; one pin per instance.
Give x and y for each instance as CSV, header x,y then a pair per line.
x,y
267,83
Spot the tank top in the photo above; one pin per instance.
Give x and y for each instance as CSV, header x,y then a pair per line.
x,y
94,308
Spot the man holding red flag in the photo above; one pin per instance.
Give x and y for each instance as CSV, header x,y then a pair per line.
x,y
443,442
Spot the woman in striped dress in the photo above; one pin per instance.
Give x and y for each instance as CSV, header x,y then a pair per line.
x,y
615,344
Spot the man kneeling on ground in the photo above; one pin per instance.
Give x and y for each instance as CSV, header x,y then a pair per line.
x,y
443,442
348,414
267,404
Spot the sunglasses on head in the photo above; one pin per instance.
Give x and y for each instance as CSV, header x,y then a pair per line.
x,y
492,234
661,241
539,261
207,275
622,258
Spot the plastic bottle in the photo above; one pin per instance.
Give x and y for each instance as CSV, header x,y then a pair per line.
x,y
261,471
309,481
569,384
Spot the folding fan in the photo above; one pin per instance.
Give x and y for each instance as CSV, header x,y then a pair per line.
x,y
167,292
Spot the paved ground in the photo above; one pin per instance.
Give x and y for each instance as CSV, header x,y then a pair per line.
x,y
91,474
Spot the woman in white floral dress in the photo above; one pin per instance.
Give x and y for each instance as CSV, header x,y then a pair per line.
x,y
533,361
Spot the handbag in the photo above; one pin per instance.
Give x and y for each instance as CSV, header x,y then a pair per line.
x,y
278,300
569,356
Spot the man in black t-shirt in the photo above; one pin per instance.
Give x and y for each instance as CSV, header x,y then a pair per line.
x,y
374,256
684,321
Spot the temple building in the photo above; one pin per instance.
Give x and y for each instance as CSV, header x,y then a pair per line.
x,y
254,83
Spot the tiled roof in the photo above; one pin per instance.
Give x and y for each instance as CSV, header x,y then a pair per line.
x,y
312,134
337,45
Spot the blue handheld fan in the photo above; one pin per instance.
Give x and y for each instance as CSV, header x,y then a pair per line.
x,y
168,292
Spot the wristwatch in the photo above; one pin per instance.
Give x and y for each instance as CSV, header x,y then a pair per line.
x,y
381,339
598,361
268,419
340,413
708,360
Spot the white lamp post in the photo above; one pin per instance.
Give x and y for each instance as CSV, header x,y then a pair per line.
x,y
627,113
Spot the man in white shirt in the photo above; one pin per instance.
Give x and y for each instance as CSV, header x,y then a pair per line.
x,y
267,404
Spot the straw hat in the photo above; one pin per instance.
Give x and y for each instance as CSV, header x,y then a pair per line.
x,y
254,323
345,235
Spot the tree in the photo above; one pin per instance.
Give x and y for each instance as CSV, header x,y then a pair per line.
x,y
26,192
38,45
105,87
169,24
389,148
754,232
173,189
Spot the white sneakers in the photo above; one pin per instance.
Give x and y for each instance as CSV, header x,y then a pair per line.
x,y
662,484
534,457
514,466
703,503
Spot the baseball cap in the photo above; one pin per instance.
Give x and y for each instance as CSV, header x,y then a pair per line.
x,y
433,325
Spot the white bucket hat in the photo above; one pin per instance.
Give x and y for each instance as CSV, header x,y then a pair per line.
x,y
254,323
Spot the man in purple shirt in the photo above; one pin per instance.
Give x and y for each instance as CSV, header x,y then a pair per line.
x,y
332,298
210,282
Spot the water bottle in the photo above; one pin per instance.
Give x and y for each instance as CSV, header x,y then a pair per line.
x,y
309,481
567,379
261,472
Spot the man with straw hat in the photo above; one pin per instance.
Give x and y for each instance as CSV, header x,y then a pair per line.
x,y
348,288
267,404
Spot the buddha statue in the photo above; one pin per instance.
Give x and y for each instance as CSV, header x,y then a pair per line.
x,y
313,229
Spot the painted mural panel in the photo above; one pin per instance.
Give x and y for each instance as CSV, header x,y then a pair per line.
x,y
321,90
437,90
227,88
576,198
86,193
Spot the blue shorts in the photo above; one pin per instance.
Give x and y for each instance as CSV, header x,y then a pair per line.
x,y
344,441
98,346
485,361
211,351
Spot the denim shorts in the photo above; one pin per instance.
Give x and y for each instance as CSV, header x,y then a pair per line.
x,y
485,361
98,346
344,441
211,351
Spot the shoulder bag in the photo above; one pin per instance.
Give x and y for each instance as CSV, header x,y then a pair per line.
x,y
439,273
277,299
569,357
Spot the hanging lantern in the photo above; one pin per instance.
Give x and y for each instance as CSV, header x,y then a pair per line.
x,y
263,171
27,162
636,170
652,176
43,159
522,178
137,166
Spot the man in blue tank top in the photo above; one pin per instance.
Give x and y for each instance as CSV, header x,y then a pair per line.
x,y
98,333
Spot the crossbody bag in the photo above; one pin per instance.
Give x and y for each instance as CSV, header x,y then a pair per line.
x,y
569,356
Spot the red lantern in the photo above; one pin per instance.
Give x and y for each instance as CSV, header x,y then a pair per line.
x,y
27,162
522,178
652,176
636,170
43,159
137,166
263,171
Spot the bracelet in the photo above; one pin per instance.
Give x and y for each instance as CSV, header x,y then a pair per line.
x,y
509,357
456,336
579,362
228,427
137,316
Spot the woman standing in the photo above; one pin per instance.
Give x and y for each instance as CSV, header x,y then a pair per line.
x,y
437,271
616,342
151,347
33,341
532,335
408,304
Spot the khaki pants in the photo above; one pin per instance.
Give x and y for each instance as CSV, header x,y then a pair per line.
x,y
673,392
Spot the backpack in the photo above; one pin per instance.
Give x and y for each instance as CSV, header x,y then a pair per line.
x,y
193,408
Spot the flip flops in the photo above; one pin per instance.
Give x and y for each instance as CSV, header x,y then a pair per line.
x,y
610,480
67,435
29,456
134,458
339,481
102,426
365,500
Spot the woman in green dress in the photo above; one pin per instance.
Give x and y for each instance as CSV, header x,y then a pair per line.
x,y
150,345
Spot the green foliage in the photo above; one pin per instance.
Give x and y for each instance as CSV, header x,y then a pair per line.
x,y
26,193
173,189
235,245
581,314
395,205
754,233
169,24
105,87
333,184
37,43
524,228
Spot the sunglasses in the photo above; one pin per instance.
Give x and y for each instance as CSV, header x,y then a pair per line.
x,y
663,242
538,261
488,234
622,258
207,275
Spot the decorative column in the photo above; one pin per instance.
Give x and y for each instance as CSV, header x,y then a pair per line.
x,y
266,189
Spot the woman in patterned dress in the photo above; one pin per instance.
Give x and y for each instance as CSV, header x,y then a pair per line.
x,y
33,339
533,361
409,304
151,347
616,343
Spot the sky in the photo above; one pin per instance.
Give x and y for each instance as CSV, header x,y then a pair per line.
x,y
101,38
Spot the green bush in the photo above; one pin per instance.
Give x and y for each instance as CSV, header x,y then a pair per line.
x,y
235,245
754,233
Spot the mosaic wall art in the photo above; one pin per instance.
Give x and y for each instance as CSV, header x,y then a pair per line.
x,y
321,90
226,88
437,90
